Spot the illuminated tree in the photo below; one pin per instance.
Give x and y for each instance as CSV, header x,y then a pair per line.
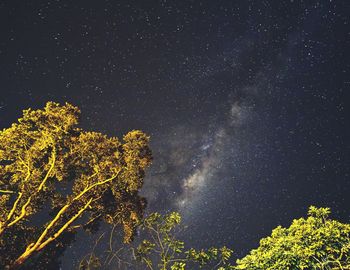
x,y
313,243
47,163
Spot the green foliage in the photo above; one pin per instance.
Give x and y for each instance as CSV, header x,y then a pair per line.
x,y
316,242
47,161
162,250
90,262
313,243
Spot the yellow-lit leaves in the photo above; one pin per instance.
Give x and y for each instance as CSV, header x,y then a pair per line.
x,y
313,243
137,157
54,118
49,160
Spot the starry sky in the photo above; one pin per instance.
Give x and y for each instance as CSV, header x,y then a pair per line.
x,y
246,102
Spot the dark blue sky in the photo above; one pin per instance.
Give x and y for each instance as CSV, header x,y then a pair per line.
x,y
246,102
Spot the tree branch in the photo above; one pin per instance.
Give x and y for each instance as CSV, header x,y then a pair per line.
x,y
7,191
40,244
96,184
9,216
65,226
53,156
23,213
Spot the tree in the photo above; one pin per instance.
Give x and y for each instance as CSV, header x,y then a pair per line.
x,y
156,248
48,163
162,250
313,243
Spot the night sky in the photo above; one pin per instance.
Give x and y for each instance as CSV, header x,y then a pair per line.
x,y
246,102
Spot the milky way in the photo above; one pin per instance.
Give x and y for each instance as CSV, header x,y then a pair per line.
x,y
195,159
210,160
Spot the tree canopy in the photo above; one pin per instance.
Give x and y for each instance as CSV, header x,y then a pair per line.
x,y
49,164
316,242
162,250
157,247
